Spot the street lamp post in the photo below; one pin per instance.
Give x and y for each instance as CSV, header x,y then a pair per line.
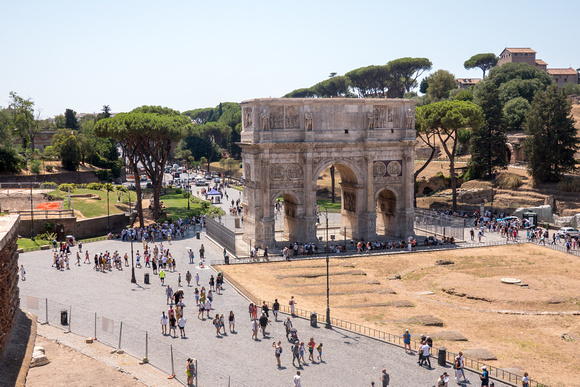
x,y
133,279
108,214
328,324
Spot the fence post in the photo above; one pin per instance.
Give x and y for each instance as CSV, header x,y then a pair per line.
x,y
95,326
69,317
196,372
172,365
147,344
120,334
46,309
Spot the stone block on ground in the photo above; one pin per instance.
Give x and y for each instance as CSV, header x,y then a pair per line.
x,y
402,304
45,247
444,262
449,335
428,321
479,354
38,357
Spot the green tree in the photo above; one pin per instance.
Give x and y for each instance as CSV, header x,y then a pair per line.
x,y
515,111
217,134
446,118
483,61
147,134
332,87
488,142
552,138
70,119
70,153
441,82
371,80
306,92
23,119
404,72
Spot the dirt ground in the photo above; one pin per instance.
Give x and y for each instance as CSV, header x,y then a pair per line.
x,y
68,367
475,302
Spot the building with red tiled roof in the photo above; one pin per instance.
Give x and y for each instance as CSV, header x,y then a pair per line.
x,y
540,64
563,76
517,55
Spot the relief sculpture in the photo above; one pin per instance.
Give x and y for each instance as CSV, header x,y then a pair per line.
x,y
294,171
380,117
349,201
277,172
248,117
292,118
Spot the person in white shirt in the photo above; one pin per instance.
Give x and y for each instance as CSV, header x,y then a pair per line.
x,y
297,382
181,323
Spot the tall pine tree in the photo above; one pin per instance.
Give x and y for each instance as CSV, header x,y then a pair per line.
x,y
552,138
488,143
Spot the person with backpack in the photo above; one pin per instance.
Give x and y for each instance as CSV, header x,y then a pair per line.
x,y
407,340
277,351
484,377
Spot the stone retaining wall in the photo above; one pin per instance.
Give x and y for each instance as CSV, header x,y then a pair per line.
x,y
9,292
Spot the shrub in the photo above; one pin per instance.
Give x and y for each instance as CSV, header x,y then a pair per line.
x,y
35,167
49,185
95,186
508,180
121,188
49,226
47,236
49,168
178,191
186,195
569,184
102,174
65,187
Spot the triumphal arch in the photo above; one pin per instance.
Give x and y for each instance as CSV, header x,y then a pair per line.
x,y
287,143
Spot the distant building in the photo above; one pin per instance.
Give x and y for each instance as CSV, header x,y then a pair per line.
x,y
43,139
464,83
517,55
563,76
527,55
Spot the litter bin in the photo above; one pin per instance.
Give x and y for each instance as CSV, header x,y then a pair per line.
x,y
237,222
197,235
313,320
227,259
146,278
63,317
442,358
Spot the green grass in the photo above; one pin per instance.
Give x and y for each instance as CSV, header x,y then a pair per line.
x,y
91,208
175,205
29,245
238,187
332,207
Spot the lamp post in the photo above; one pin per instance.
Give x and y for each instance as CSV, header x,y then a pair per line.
x,y
108,214
31,214
327,248
133,279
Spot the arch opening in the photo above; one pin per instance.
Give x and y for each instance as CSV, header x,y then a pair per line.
x,y
386,213
287,213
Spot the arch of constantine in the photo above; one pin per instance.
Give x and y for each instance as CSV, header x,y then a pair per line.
x,y
287,143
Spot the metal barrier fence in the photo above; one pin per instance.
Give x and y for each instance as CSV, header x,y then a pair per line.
x,y
220,233
120,335
446,226
38,214
473,365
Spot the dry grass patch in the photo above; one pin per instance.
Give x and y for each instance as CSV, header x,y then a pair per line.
x,y
531,342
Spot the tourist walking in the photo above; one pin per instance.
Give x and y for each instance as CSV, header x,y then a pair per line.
x,y
296,354
288,326
172,325
232,321
277,351
319,349
169,294
297,382
188,278
162,277
255,329
425,352
525,380
443,380
275,309
22,273
302,352
407,340
263,323
164,321
484,377
181,324
265,309
197,279
385,378
459,371
311,345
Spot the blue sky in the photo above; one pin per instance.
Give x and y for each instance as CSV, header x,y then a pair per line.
x,y
189,54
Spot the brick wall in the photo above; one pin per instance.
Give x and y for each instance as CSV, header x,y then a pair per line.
x,y
9,293
58,178
80,228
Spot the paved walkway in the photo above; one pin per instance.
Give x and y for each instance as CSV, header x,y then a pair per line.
x,y
349,358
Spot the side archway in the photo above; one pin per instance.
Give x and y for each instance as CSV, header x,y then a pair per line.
x,y
386,213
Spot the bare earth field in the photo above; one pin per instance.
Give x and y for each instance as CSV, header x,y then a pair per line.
x,y
507,320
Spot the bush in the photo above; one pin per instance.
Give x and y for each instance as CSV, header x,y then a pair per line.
x,y
95,186
569,184
121,188
35,167
47,236
103,174
178,191
49,185
509,181
186,194
49,226
49,168
65,187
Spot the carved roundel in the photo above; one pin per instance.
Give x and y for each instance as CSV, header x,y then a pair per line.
x,y
394,168
294,171
379,168
277,172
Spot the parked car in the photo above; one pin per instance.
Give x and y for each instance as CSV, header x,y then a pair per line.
x,y
208,177
565,231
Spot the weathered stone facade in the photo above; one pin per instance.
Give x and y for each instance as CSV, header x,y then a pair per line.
x,y
287,143
9,294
